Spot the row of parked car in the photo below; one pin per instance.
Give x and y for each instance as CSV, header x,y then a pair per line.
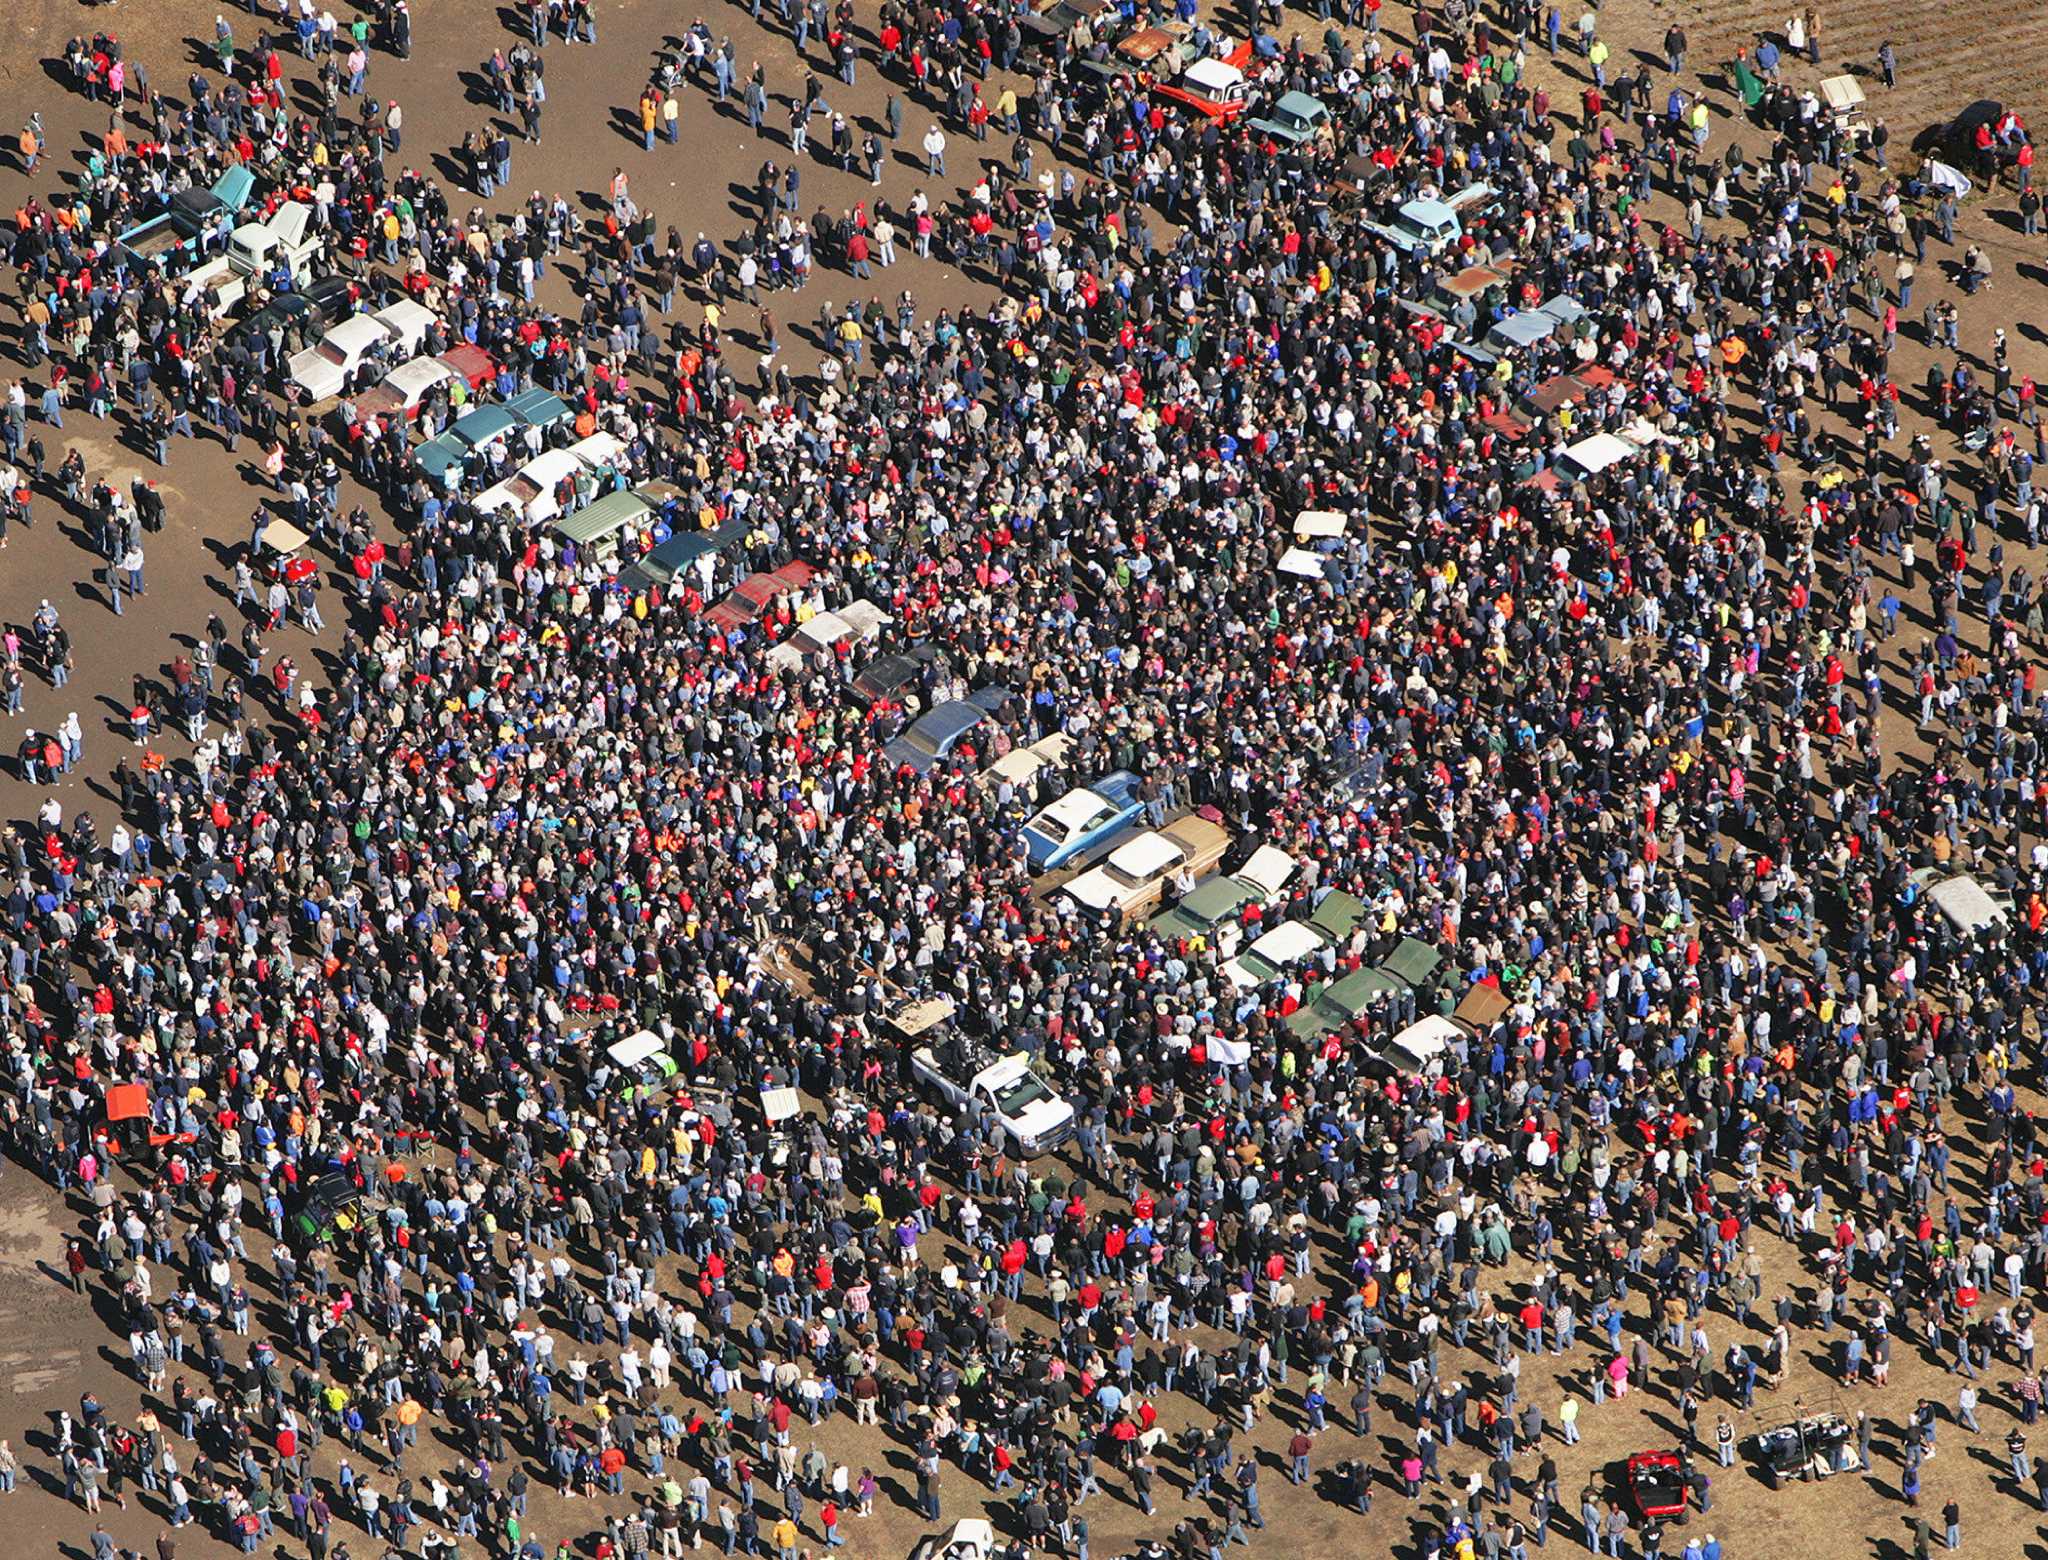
x,y
458,454
1224,912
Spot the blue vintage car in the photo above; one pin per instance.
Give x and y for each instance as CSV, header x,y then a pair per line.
x,y
1083,818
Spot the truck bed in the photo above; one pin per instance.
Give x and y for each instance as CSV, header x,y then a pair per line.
x,y
154,239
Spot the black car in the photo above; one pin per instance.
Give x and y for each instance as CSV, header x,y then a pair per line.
x,y
899,677
326,299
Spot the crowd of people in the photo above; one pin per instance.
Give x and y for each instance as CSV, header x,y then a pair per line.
x,y
1613,742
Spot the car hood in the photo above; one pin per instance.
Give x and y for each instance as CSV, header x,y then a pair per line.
x,y
1043,1116
1094,889
310,369
901,752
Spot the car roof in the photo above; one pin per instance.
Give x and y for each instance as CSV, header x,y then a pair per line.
x,y
1966,902
1288,942
1426,1039
537,406
1355,990
1212,75
1339,914
1267,869
950,718
357,333
1425,210
687,546
599,449
283,537
1075,808
483,424
1150,854
824,630
424,373
1523,330
1301,105
1601,450
1020,764
1211,900
550,466
405,315
885,667
1413,960
1197,835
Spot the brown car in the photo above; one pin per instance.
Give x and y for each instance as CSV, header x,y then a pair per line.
x,y
1132,878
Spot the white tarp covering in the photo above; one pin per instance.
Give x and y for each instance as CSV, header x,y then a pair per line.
x,y
1943,177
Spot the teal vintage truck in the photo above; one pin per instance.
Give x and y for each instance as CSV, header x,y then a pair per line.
x,y
177,235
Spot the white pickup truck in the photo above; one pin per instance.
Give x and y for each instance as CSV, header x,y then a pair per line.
x,y
1035,1119
255,249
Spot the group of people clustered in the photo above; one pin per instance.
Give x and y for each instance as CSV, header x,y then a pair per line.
x,y
1613,746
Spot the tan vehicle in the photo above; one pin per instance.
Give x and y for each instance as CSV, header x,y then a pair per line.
x,y
1133,878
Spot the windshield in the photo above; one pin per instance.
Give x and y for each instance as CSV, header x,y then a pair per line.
x,y
1121,878
923,741
1335,1011
1016,1097
1259,967
1047,828
333,354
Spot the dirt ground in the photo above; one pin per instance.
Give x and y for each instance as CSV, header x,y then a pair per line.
x,y
51,1350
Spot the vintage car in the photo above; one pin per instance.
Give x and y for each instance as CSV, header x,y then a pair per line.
x,y
1134,877
933,735
1081,820
1213,911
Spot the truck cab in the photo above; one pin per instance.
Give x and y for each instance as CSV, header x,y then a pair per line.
x,y
967,1076
1427,226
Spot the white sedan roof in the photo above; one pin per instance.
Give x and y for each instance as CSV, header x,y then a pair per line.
x,y
1269,869
1147,856
1070,811
1020,764
356,335
415,379
405,317
635,1048
549,467
1288,943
